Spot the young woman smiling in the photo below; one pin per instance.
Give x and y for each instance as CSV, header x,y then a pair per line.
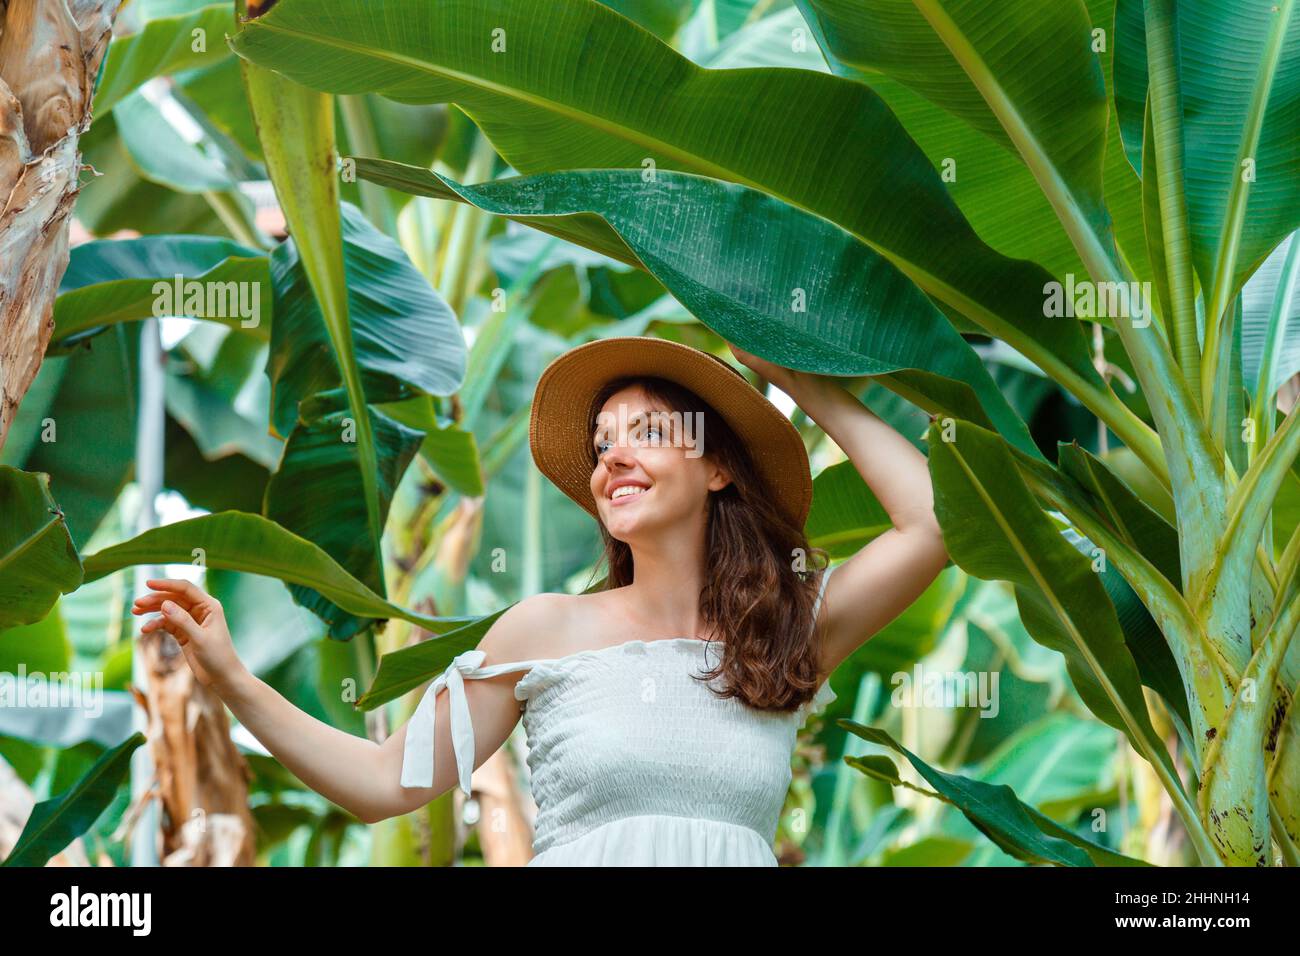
x,y
661,711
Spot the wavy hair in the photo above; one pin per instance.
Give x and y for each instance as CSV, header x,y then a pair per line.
x,y
754,594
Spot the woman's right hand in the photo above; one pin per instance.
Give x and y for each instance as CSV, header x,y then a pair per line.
x,y
198,622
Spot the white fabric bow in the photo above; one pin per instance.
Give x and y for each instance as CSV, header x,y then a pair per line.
x,y
417,757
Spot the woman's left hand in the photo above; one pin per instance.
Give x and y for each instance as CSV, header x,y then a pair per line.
x,y
780,376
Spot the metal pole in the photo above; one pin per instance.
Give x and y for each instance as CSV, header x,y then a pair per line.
x,y
149,482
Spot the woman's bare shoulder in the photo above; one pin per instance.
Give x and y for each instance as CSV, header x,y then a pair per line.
x,y
538,627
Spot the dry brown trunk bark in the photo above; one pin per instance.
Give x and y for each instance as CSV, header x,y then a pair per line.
x,y
50,51
202,779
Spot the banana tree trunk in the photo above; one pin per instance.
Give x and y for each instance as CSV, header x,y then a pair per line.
x,y
50,51
201,777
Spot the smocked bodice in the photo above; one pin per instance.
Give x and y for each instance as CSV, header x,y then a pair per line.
x,y
633,758
629,730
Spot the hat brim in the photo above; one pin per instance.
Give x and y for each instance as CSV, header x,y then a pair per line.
x,y
558,428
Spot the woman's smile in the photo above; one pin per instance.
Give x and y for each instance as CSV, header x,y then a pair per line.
x,y
626,491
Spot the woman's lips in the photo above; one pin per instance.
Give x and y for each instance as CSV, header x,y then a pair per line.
x,y
615,502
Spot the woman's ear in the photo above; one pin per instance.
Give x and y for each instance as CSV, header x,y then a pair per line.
x,y
719,478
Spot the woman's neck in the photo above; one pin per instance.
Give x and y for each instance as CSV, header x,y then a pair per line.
x,y
667,577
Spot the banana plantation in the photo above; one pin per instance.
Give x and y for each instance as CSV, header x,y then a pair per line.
x,y
1051,242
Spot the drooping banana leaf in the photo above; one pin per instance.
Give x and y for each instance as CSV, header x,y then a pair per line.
x,y
56,822
295,126
996,811
236,541
827,145
783,284
995,530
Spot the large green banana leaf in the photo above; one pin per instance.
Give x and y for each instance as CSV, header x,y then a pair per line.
x,y
317,493
125,280
407,342
56,822
236,541
405,336
822,143
1062,602
1222,57
295,126
1101,503
995,810
781,283
163,45
84,439
1025,75
879,43
38,561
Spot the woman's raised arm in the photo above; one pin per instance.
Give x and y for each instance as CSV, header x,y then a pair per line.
x,y
878,583
357,774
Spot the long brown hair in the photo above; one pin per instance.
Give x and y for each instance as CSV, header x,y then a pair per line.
x,y
757,594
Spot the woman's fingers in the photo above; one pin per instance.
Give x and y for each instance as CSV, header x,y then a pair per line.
x,y
177,587
189,596
161,623
154,600
179,621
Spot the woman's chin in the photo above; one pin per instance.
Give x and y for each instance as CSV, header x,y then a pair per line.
x,y
630,528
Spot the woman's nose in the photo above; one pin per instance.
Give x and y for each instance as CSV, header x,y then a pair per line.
x,y
619,455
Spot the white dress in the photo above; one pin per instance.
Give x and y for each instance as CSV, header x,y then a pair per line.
x,y
633,761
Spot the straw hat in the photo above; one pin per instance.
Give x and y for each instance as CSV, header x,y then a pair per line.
x,y
558,436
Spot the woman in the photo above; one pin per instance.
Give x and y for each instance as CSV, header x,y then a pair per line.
x,y
661,712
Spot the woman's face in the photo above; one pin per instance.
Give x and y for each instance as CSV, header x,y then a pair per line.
x,y
659,457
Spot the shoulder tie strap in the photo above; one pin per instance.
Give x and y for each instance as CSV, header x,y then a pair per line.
x,y
417,755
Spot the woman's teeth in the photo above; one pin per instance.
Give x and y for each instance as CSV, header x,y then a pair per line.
x,y
624,490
